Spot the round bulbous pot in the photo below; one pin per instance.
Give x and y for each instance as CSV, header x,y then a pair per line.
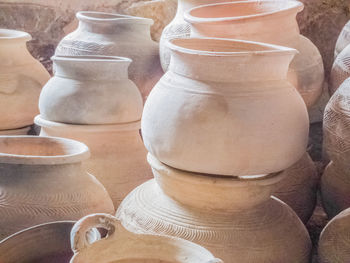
x,y
229,89
343,39
21,80
123,246
265,21
334,243
117,35
233,217
299,186
118,156
90,90
340,70
42,180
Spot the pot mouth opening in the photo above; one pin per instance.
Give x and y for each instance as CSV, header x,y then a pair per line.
x,y
91,58
225,47
42,150
102,17
9,34
241,10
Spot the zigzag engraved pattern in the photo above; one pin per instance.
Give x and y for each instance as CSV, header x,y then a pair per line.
x,y
77,47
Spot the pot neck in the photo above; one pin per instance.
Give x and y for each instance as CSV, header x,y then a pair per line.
x,y
184,5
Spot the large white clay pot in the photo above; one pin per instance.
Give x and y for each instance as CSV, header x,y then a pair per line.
x,y
118,156
233,217
343,39
122,246
340,70
42,180
90,90
267,21
117,35
225,107
21,80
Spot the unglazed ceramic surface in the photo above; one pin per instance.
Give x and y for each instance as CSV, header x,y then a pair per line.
x,y
234,218
269,22
42,180
334,244
91,90
340,70
121,245
225,107
118,156
343,39
21,80
20,131
117,35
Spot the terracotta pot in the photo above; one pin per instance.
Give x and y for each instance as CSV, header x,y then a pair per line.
x,y
118,157
91,90
340,70
117,35
298,188
343,39
121,245
233,217
178,28
21,79
42,180
334,243
266,21
262,123
20,131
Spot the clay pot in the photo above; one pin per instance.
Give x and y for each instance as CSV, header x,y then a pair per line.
x,y
42,180
343,39
117,35
178,28
121,245
298,188
262,123
266,21
91,90
20,131
21,79
334,243
340,70
118,157
233,217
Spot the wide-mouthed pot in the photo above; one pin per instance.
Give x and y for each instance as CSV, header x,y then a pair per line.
x,y
265,21
21,80
90,90
122,246
340,70
42,180
233,217
343,39
108,34
225,107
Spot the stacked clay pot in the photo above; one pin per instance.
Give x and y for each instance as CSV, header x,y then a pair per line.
x,y
343,39
340,70
335,185
91,99
116,35
269,22
21,79
215,127
42,180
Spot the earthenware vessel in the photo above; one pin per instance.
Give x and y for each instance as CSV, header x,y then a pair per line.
x,y
298,188
340,70
42,180
21,80
20,131
343,39
266,21
117,35
120,245
118,156
178,28
233,217
90,90
334,244
262,123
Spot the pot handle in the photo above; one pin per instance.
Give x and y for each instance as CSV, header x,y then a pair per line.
x,y
79,235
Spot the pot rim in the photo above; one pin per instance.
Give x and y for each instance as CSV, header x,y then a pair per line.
x,y
291,7
112,17
93,128
269,48
76,151
10,35
91,58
